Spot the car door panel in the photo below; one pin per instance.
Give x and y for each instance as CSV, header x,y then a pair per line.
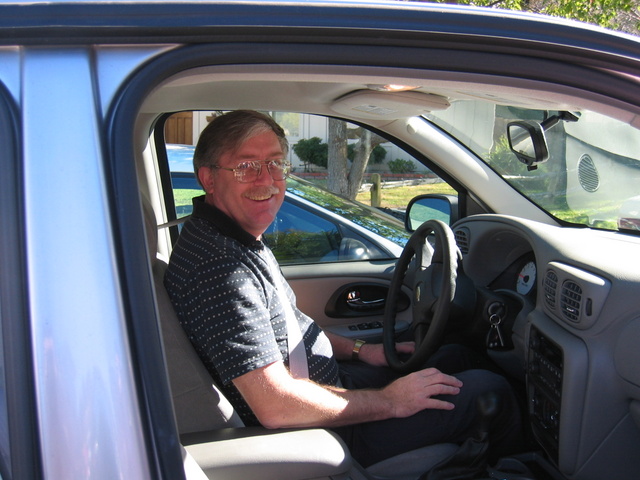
x,y
322,292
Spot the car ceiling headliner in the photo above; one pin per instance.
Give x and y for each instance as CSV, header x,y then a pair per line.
x,y
315,89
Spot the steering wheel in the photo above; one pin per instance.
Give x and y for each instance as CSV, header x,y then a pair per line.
x,y
432,279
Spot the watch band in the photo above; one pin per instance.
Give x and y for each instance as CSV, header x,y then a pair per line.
x,y
355,353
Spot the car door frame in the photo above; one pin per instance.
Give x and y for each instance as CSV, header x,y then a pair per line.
x,y
246,49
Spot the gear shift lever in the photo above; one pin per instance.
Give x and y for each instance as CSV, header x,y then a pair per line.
x,y
488,407
470,460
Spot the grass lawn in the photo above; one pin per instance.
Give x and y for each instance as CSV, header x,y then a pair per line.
x,y
183,196
399,197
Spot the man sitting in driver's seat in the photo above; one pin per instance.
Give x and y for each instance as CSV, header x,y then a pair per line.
x,y
239,312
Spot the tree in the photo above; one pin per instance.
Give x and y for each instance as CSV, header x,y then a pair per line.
x,y
615,14
345,179
311,151
338,181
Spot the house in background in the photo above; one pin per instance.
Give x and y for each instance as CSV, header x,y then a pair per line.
x,y
185,127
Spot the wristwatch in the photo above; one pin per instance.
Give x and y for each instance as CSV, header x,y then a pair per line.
x,y
355,353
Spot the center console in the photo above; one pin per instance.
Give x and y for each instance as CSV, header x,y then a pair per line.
x,y
544,390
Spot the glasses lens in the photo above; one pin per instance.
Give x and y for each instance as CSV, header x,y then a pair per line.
x,y
279,169
247,172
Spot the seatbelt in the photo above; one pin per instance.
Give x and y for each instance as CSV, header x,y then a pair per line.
x,y
298,365
172,223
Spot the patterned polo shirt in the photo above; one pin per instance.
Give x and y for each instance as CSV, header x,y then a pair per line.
x,y
224,294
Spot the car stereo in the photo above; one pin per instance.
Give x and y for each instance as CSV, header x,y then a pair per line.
x,y
544,388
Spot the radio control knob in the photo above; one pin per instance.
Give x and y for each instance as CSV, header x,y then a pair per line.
x,y
534,342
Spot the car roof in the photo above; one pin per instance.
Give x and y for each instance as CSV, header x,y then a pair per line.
x,y
133,21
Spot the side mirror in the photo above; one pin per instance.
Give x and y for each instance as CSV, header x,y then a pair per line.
x,y
430,207
528,142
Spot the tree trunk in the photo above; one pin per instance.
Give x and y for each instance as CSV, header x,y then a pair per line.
x,y
367,141
342,180
337,157
362,151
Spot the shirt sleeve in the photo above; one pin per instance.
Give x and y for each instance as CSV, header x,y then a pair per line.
x,y
232,324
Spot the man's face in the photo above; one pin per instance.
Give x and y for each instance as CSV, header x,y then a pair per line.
x,y
254,205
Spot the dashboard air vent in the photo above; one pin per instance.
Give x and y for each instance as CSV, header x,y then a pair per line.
x,y
573,295
570,300
550,288
462,240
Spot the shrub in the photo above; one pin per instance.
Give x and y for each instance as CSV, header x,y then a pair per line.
x,y
313,151
400,165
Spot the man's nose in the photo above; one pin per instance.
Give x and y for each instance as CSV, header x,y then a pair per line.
x,y
264,177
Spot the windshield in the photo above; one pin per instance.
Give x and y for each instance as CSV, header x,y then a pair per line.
x,y
591,176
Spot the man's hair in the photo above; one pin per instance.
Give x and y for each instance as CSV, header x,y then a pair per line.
x,y
228,132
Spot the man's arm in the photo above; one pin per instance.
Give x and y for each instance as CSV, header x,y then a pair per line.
x,y
371,353
279,401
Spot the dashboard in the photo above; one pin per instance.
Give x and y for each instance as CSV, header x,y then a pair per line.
x,y
575,336
520,276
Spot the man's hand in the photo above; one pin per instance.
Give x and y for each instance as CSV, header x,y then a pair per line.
x,y
414,392
373,353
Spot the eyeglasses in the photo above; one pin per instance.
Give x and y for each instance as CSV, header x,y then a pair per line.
x,y
248,172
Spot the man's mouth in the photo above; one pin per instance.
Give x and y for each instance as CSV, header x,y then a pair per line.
x,y
262,193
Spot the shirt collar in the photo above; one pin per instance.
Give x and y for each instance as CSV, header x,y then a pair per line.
x,y
223,222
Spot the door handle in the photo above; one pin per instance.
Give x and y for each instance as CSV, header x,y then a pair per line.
x,y
355,302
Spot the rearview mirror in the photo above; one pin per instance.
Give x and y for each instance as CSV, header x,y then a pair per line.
x,y
431,207
527,141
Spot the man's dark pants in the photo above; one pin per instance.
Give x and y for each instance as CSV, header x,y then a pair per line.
x,y
373,442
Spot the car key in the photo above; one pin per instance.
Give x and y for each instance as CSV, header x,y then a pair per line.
x,y
494,337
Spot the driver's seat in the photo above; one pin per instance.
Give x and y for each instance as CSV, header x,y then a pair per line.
x,y
201,408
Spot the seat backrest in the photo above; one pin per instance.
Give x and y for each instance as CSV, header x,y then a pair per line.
x,y
198,403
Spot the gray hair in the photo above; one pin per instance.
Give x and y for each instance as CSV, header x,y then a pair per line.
x,y
228,132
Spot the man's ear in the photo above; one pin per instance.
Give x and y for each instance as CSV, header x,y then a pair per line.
x,y
205,176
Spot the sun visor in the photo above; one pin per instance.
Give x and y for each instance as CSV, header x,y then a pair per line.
x,y
368,104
